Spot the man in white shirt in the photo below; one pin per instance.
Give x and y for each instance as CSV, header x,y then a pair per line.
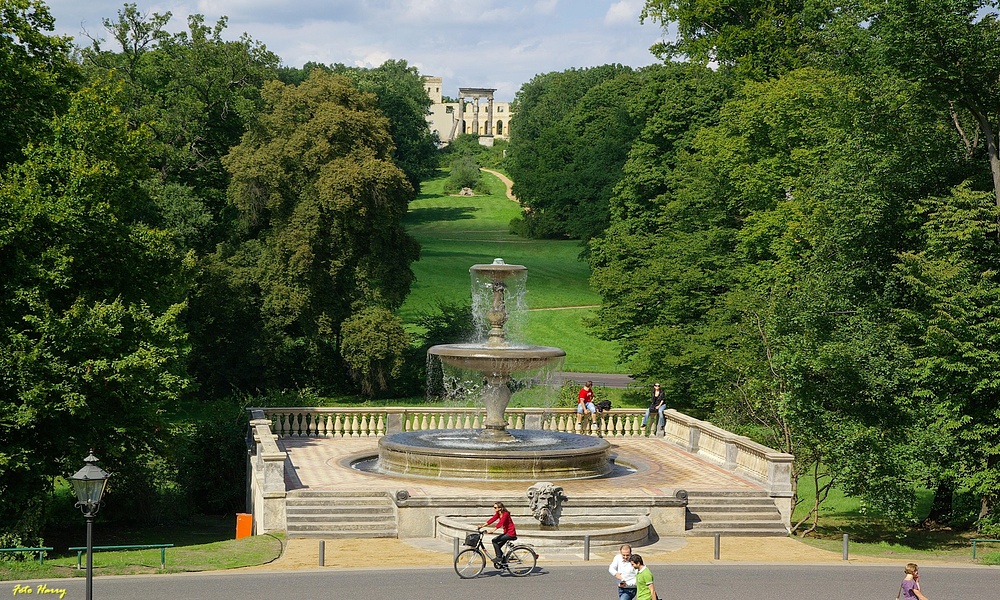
x,y
624,572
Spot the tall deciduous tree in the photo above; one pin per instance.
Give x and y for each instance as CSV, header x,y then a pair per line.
x,y
195,91
569,138
758,39
953,288
37,75
322,203
952,47
765,297
401,97
91,350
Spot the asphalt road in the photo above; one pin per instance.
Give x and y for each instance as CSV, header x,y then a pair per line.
x,y
673,582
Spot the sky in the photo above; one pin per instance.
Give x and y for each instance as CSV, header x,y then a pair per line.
x,y
499,44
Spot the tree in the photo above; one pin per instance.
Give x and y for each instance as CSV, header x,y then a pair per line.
x,y
322,205
196,92
374,348
762,292
953,292
37,75
91,346
952,47
569,137
401,97
758,39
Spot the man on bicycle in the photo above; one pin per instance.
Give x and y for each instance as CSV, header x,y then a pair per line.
x,y
503,520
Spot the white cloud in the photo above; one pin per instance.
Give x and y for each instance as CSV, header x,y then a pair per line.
x,y
623,12
498,44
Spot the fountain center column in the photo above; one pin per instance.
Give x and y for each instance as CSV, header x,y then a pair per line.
x,y
496,396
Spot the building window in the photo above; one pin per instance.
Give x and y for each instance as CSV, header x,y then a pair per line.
x,y
499,127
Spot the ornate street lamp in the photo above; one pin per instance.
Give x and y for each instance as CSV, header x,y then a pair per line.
x,y
89,484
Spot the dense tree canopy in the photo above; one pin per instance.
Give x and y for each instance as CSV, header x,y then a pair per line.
x,y
569,138
37,75
322,203
195,91
91,346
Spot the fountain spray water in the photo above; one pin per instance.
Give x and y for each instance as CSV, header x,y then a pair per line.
x,y
494,452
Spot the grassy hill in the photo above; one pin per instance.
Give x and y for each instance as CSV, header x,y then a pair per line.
x,y
456,232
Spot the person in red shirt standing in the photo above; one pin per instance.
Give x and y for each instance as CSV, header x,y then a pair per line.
x,y
503,521
585,405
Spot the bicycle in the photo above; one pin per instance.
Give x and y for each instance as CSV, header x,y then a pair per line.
x,y
518,560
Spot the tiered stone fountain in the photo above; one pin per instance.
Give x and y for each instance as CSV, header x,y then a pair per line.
x,y
494,453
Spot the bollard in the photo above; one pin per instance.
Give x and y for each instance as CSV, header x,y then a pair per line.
x,y
845,546
322,553
586,547
454,550
717,536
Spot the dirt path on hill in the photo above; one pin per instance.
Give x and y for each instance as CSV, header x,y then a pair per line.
x,y
506,181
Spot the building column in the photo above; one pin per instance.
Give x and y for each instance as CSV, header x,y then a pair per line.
x,y
461,115
489,115
475,115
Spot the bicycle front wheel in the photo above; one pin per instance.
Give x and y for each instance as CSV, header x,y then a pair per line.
x,y
469,563
520,561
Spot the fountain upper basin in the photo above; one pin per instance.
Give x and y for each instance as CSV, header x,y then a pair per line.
x,y
499,360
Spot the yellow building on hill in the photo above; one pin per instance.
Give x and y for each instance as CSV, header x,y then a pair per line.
x,y
474,112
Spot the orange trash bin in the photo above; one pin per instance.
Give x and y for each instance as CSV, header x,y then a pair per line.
x,y
244,525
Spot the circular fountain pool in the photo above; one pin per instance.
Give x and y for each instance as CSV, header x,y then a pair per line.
x,y
531,455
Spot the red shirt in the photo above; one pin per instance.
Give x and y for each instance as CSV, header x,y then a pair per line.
x,y
505,522
585,396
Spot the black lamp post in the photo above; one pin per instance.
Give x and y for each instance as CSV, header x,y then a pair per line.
x,y
89,484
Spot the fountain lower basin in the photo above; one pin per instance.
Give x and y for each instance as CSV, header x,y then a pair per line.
x,y
531,455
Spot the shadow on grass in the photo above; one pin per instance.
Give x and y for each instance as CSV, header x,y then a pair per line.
x,y
434,214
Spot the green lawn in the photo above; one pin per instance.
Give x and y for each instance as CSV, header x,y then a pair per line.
x,y
458,232
206,544
868,535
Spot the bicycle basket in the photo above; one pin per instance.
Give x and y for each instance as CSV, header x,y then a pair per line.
x,y
472,539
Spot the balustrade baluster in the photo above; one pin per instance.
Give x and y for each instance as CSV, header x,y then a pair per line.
x,y
424,424
451,421
519,422
355,426
380,428
364,426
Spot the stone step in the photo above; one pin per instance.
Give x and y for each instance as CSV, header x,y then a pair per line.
x,y
741,507
321,501
704,517
738,532
726,494
729,501
337,494
346,511
339,519
340,514
339,526
330,534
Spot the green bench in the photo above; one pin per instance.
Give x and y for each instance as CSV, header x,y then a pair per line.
x,y
163,551
41,552
975,541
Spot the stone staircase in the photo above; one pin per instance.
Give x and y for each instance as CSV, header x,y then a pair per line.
x,y
338,514
733,513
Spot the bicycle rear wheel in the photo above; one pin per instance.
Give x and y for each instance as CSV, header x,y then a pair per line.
x,y
469,563
520,561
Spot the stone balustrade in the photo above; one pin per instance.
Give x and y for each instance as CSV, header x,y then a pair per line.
x,y
734,452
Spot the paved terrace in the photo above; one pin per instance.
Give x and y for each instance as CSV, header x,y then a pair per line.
x,y
661,468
